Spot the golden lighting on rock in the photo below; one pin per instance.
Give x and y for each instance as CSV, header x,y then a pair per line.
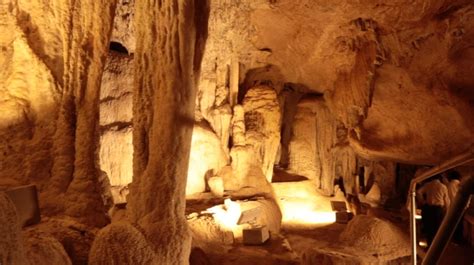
x,y
305,213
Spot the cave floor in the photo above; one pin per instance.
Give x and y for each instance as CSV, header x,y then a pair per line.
x,y
289,246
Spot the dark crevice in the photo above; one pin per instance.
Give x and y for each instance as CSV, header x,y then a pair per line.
x,y
111,98
117,47
115,126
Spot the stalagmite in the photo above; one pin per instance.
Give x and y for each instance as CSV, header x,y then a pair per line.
x,y
220,119
234,81
262,124
83,64
238,126
75,56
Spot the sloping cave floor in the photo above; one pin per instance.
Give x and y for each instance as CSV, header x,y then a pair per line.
x,y
288,247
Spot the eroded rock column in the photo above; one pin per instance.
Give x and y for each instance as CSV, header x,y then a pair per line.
x,y
262,123
85,28
170,40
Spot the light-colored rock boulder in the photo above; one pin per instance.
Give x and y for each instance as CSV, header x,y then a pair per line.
x,y
216,185
374,195
42,249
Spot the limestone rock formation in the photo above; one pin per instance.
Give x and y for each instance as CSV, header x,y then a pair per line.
x,y
95,93
238,126
28,98
216,185
171,35
207,157
381,173
11,244
42,249
376,235
372,60
51,108
319,149
123,27
302,149
262,125
121,243
246,171
116,100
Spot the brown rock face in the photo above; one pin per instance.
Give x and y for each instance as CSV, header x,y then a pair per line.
x,y
11,247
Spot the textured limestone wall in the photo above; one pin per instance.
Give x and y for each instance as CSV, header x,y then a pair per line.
x,y
121,243
395,75
207,157
302,151
123,31
53,57
319,149
170,39
116,110
85,30
11,247
29,96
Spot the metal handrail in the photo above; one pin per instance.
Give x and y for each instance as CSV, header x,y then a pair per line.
x,y
456,161
450,221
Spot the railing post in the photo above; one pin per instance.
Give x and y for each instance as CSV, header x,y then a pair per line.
x,y
413,227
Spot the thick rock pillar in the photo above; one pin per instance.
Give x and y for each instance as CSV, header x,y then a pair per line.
x,y
170,41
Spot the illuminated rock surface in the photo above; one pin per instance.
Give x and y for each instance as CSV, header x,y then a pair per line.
x,y
204,144
115,119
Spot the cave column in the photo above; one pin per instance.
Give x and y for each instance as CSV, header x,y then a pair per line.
x,y
85,29
170,41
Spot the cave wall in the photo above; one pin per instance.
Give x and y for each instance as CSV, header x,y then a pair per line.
x,y
370,59
116,130
302,148
53,57
319,149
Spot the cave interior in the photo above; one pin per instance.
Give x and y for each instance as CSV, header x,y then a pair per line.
x,y
236,131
